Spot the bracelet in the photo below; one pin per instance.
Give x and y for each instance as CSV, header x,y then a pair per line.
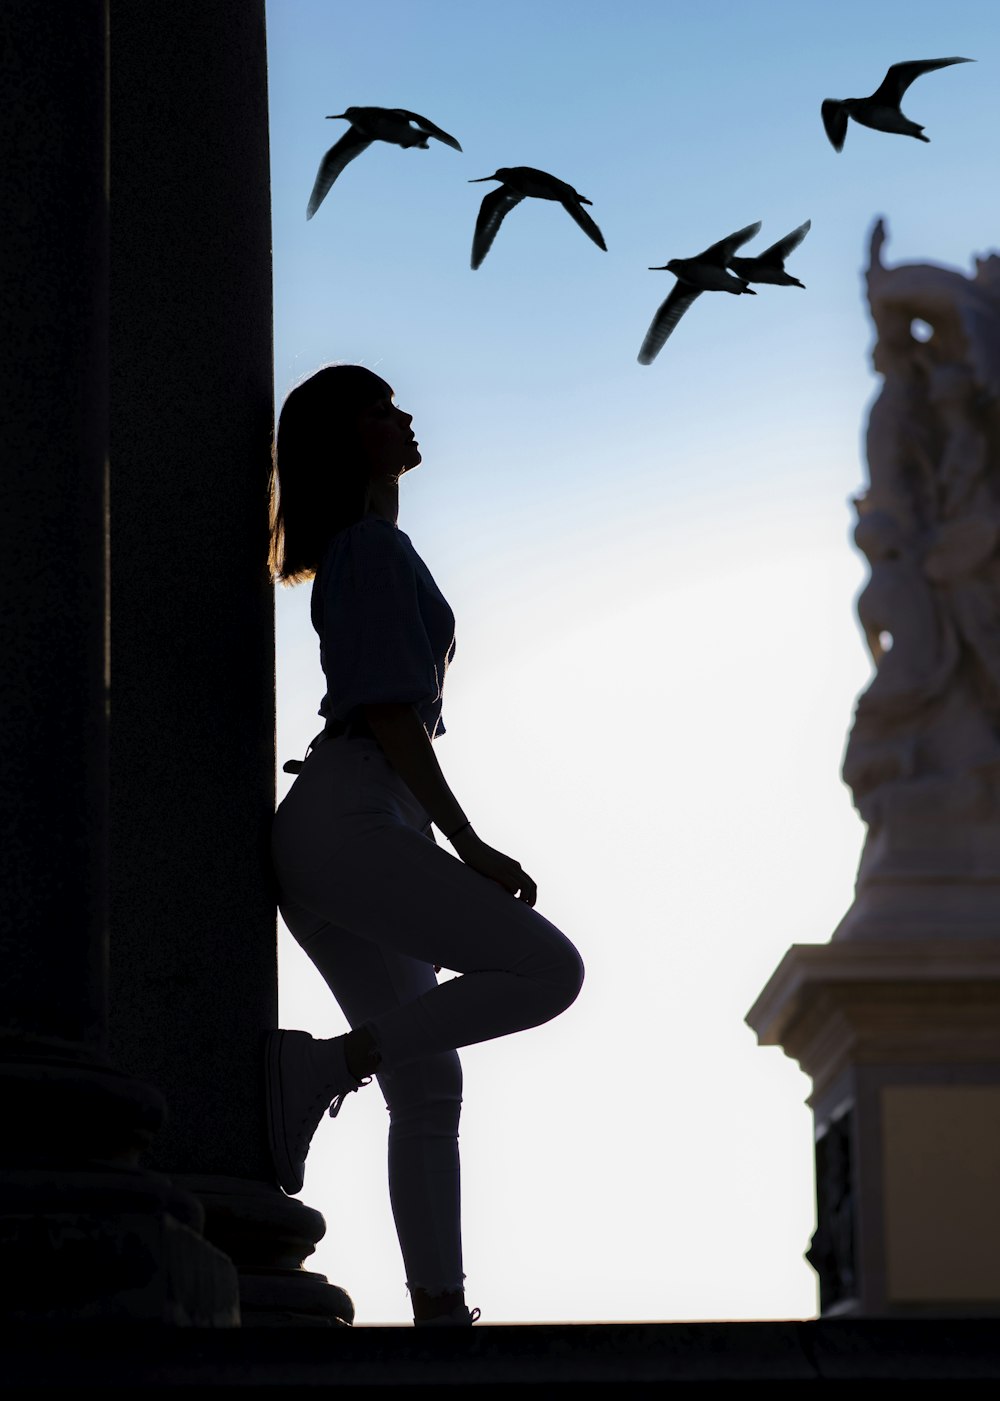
x,y
457,830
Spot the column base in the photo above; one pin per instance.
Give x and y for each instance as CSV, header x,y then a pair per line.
x,y
267,1236
109,1247
85,1234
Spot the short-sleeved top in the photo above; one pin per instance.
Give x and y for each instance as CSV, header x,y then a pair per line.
x,y
386,632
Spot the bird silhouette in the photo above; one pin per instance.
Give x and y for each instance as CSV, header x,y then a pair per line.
x,y
706,272
518,182
881,111
769,266
368,124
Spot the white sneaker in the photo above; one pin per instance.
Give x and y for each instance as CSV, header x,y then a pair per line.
x,y
302,1077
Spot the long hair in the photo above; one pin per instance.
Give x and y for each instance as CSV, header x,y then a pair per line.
x,y
319,472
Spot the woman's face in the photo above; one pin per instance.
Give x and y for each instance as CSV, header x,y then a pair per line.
x,y
387,438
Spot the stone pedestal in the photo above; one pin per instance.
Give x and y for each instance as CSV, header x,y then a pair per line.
x,y
193,911
85,1235
930,868
902,1041
897,1019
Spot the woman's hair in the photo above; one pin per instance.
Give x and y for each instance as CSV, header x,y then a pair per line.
x,y
319,472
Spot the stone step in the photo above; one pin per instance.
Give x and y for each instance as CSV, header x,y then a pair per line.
x,y
494,1357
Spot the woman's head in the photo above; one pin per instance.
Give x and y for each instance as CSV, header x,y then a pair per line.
x,y
339,434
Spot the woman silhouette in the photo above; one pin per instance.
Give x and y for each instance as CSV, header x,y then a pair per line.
x,y
377,905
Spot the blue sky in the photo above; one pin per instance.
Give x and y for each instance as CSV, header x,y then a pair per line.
x,y
651,569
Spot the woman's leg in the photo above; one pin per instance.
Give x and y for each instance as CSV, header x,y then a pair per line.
x,y
424,1100
387,906
396,890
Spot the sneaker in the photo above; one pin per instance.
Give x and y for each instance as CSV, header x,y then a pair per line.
x,y
459,1317
303,1078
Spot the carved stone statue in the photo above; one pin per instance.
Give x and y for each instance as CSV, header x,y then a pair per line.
x,y
923,755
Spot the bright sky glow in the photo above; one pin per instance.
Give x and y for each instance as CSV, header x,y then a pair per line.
x,y
651,569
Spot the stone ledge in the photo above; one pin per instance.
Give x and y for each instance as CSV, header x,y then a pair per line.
x,y
807,969
374,1358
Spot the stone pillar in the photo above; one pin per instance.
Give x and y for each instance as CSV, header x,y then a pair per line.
x,y
897,1019
193,948
85,1235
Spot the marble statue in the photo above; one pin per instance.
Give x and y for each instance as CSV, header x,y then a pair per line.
x,y
923,755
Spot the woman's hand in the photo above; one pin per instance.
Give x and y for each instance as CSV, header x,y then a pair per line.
x,y
405,743
490,862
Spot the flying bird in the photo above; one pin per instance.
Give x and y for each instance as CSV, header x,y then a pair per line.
x,y
881,111
369,124
517,182
706,272
769,266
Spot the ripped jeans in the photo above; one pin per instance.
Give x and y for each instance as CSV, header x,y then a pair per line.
x,y
376,904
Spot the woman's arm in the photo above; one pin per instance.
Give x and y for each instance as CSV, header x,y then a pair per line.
x,y
406,744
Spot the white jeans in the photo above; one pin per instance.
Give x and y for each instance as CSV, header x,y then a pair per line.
x,y
375,903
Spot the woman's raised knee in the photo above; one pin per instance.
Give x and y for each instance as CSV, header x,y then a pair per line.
x,y
571,975
558,971
575,972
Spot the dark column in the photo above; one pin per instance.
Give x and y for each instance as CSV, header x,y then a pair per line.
x,y
84,1234
193,954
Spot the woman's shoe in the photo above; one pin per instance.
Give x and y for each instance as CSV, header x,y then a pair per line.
x,y
459,1317
303,1077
